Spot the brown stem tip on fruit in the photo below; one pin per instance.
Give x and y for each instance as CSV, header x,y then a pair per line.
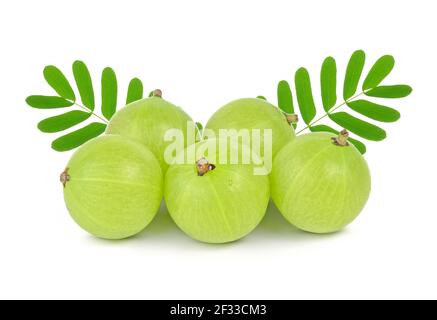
x,y
157,93
341,140
203,166
291,118
65,177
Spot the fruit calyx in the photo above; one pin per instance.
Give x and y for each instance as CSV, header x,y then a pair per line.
x,y
65,177
291,118
341,140
157,93
203,166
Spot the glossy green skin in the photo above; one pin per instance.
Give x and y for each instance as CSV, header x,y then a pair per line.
x,y
319,187
115,187
221,206
253,113
147,121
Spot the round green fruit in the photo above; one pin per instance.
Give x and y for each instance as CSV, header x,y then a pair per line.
x,y
215,202
112,187
253,113
320,182
146,121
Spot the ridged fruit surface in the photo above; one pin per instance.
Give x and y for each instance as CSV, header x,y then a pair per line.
x,y
318,186
146,121
113,187
223,205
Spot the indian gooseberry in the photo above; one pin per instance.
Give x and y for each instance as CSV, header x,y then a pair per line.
x,y
215,201
320,182
253,113
147,121
112,187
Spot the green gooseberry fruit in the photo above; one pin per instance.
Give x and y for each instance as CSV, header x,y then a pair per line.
x,y
253,113
147,120
320,182
215,201
112,187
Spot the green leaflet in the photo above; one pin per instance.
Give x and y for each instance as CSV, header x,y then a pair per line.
x,y
84,84
390,92
380,70
78,137
374,111
56,79
304,95
199,132
63,121
359,127
324,128
109,93
151,93
328,83
135,91
353,73
47,102
261,97
285,97
199,127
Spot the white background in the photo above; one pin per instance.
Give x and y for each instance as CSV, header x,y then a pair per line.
x,y
203,54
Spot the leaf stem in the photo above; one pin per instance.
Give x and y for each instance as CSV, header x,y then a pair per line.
x,y
330,111
90,111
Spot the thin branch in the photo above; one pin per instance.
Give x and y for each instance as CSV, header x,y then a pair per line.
x,y
329,112
90,111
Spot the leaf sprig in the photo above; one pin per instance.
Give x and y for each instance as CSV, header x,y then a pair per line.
x,y
371,87
85,110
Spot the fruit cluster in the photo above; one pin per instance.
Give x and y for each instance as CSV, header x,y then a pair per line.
x,y
114,184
